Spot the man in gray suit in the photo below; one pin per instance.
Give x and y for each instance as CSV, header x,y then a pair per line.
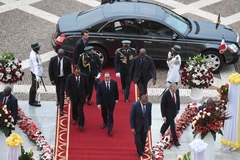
x,y
142,70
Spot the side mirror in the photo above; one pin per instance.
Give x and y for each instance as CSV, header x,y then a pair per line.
x,y
174,36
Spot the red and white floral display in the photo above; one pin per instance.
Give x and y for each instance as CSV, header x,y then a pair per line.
x,y
6,120
10,68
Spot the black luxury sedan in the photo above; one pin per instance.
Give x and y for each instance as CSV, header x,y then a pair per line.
x,y
147,25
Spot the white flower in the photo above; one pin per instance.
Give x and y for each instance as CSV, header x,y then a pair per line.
x,y
10,63
1,75
8,69
203,116
14,66
5,120
217,108
209,114
0,115
15,61
9,76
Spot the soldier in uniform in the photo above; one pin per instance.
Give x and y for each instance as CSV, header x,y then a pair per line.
x,y
91,65
123,60
174,64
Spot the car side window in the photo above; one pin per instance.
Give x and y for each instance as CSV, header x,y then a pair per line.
x,y
126,26
107,28
96,27
152,28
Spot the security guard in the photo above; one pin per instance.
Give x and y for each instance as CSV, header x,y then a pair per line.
x,y
91,65
123,60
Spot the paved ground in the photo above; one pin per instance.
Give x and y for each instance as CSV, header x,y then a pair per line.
x,y
24,21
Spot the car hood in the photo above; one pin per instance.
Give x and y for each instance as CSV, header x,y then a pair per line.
x,y
68,22
208,31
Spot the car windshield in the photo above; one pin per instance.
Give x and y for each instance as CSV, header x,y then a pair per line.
x,y
176,22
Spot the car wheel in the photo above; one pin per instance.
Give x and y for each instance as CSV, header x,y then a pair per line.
x,y
102,54
215,59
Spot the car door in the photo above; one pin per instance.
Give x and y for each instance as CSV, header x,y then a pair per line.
x,y
158,39
117,30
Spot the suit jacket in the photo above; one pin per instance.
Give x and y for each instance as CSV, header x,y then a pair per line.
x,y
75,92
79,49
53,67
137,119
12,105
104,96
168,107
148,69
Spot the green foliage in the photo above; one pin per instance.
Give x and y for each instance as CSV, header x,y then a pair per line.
x,y
187,156
25,155
5,57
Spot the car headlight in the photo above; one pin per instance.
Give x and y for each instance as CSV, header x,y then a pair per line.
x,y
233,48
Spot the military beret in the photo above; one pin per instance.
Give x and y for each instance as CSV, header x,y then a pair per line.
x,y
87,48
126,42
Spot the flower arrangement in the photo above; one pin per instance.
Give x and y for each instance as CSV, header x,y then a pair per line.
x,y
197,73
181,124
223,91
26,155
14,140
186,156
234,78
210,119
6,120
10,68
35,136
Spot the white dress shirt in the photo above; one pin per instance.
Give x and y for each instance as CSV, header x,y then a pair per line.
x,y
108,84
36,64
61,69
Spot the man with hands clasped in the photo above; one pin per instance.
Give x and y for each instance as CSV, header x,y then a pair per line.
x,y
123,61
140,122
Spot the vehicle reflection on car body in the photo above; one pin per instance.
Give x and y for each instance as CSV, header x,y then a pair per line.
x,y
147,25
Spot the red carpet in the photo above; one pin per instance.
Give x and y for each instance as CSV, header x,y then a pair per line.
x,y
94,142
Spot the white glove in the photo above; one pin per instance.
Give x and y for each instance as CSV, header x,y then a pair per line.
x,y
118,75
169,54
38,78
98,76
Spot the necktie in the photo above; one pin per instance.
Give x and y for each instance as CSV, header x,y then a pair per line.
x,y
173,98
144,110
78,81
108,86
4,100
59,67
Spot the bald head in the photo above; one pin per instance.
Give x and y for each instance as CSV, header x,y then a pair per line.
x,y
142,52
210,102
7,91
60,53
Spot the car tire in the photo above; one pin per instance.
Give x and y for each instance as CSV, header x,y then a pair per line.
x,y
216,60
102,54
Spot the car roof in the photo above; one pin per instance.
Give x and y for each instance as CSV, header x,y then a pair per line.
x,y
133,9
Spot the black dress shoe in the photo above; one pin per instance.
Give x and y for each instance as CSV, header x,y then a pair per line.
x,y
110,133
138,156
104,126
61,112
126,100
35,104
177,144
81,128
89,102
74,122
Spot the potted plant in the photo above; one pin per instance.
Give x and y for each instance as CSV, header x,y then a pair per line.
x,y
10,68
197,75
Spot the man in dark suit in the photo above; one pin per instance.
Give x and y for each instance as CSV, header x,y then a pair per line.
x,y
142,70
140,122
170,106
91,65
107,97
8,99
80,45
77,91
59,69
